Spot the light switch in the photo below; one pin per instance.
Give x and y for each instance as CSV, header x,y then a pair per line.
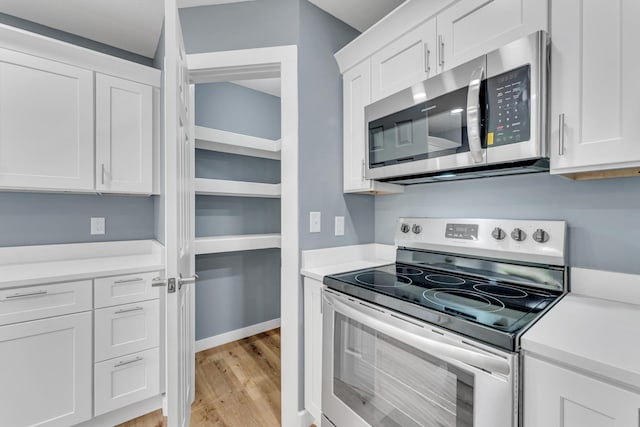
x,y
97,226
339,226
314,222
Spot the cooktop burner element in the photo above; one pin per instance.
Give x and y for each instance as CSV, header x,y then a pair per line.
x,y
442,279
470,276
381,279
462,299
500,290
408,271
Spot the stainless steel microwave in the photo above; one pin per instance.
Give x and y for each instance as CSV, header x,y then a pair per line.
x,y
485,117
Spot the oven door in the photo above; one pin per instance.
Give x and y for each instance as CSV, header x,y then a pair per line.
x,y
384,369
435,125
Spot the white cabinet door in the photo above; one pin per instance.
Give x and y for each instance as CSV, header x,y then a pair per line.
x,y
558,397
473,27
116,290
408,60
124,136
313,348
594,85
46,124
357,94
45,367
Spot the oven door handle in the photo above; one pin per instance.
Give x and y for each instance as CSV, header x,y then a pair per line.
x,y
474,115
485,362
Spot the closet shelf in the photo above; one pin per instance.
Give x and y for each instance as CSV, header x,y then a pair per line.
x,y
246,242
220,187
235,143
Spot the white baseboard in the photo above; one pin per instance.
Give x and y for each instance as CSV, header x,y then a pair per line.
x,y
238,334
127,413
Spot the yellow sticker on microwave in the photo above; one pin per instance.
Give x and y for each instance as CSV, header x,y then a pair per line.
x,y
490,138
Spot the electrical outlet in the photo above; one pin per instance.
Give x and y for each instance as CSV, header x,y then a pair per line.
x,y
314,222
97,226
339,226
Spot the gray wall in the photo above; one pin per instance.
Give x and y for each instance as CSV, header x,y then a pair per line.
x,y
73,39
40,219
603,215
221,215
320,145
244,111
252,277
241,25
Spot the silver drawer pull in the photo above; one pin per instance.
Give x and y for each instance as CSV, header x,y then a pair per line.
x,y
137,279
129,310
128,362
30,294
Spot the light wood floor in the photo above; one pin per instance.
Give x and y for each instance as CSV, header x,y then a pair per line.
x,y
237,384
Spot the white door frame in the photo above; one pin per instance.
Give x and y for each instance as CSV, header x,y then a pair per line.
x,y
270,62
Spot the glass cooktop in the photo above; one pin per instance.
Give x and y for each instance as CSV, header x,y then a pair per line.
x,y
488,310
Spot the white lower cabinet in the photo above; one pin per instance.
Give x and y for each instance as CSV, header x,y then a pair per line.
x,y
556,396
45,372
313,348
125,380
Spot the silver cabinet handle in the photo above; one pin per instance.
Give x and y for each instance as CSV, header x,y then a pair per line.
x,y
129,310
137,279
128,362
427,54
473,115
30,294
362,170
102,173
157,281
561,134
441,48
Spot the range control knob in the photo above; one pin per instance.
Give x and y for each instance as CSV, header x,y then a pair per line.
x,y
498,233
541,236
416,229
518,235
405,228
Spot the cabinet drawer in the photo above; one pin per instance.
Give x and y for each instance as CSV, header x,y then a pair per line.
x,y
116,290
37,302
125,380
126,329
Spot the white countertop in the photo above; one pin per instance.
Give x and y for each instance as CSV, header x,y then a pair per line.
x,y
32,265
592,333
320,262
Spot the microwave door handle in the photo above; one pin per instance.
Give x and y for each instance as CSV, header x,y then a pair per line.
x,y
473,115
438,349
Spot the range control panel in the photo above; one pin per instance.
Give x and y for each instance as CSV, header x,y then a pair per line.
x,y
522,240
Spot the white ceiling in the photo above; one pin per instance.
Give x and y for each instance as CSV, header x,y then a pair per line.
x,y
130,25
360,14
135,25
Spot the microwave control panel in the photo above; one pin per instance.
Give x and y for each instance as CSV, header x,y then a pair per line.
x,y
509,101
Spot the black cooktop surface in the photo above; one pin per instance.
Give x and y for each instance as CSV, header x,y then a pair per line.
x,y
499,310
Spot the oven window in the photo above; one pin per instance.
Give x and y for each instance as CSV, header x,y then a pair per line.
x,y
388,383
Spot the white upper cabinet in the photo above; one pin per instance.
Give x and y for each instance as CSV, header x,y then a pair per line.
x,y
473,27
406,61
46,124
594,86
357,94
124,136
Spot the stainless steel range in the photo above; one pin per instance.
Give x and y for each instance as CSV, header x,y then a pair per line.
x,y
433,340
